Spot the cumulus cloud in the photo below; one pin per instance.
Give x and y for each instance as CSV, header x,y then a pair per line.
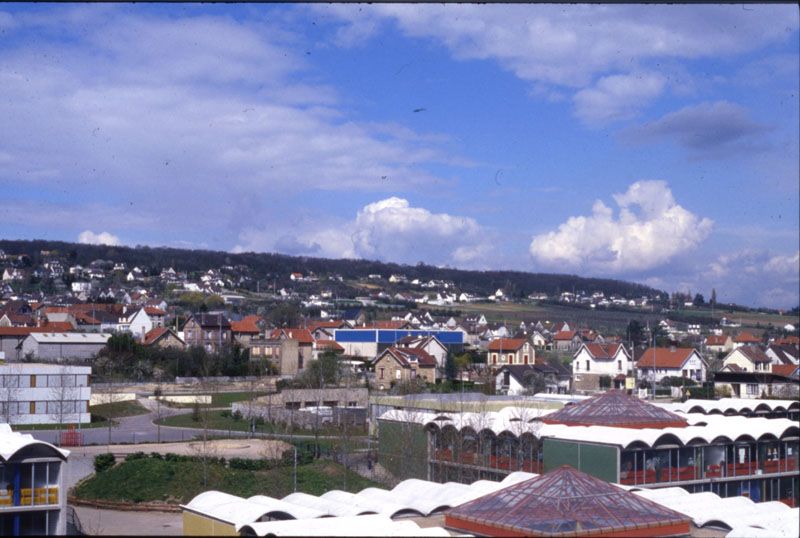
x,y
88,237
579,47
705,129
389,230
649,230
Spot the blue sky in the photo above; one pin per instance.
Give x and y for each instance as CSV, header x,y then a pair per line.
x,y
649,143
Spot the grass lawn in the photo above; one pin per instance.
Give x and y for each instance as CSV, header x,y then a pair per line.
x,y
158,480
127,408
216,421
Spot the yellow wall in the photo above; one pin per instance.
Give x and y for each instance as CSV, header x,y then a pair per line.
x,y
197,525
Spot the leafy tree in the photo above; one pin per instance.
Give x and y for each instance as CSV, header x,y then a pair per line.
x,y
698,300
713,300
285,315
635,331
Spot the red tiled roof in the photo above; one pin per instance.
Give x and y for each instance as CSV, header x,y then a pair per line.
x,y
18,331
786,370
303,336
565,502
603,351
154,311
716,340
665,357
407,355
789,341
618,409
506,344
154,334
248,324
329,345
745,337
564,335
313,326
57,326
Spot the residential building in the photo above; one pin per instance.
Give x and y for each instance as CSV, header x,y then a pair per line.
x,y
163,337
664,362
430,344
246,329
747,359
396,365
503,351
783,354
719,343
289,350
567,340
752,385
33,496
593,361
515,379
209,331
368,343
745,338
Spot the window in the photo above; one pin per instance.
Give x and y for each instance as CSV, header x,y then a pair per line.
x,y
32,408
685,373
619,365
588,366
577,366
381,373
752,389
398,374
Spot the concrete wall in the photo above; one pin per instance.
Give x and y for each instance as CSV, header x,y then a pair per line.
x,y
53,352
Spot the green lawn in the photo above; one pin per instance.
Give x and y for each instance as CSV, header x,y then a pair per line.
x,y
127,408
218,421
151,479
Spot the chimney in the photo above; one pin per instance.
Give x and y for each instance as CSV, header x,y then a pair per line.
x,y
672,348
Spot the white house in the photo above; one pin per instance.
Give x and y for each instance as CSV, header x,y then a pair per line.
x,y
592,361
746,359
36,393
664,362
33,495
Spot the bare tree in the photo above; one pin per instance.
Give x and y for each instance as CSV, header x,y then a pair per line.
x,y
9,392
62,395
106,395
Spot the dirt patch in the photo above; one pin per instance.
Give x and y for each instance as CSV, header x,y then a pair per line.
x,y
226,448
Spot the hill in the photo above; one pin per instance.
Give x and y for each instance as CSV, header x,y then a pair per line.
x,y
279,266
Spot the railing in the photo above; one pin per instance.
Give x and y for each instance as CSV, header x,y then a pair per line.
x,y
493,462
687,473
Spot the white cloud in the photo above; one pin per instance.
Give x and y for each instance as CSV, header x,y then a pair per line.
x,y
103,238
574,46
754,276
617,97
388,230
168,113
650,230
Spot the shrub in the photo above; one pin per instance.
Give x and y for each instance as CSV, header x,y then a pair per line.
x,y
103,462
237,415
250,465
135,456
225,414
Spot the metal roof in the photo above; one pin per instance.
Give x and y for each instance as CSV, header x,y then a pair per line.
x,y
615,408
70,338
564,502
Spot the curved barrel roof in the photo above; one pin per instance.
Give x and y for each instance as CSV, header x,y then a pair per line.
x,y
11,443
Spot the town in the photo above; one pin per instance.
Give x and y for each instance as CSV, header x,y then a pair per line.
x,y
399,269
108,369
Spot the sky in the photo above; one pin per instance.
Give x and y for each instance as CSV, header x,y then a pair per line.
x,y
650,143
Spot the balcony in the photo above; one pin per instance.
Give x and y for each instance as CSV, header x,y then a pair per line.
x,y
45,496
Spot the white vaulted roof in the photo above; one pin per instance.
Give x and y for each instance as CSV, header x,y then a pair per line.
x,y
735,405
371,525
12,442
702,428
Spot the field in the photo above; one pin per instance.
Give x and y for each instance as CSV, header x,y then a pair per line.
x,y
151,479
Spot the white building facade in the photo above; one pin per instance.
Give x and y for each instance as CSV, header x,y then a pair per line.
x,y
34,393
